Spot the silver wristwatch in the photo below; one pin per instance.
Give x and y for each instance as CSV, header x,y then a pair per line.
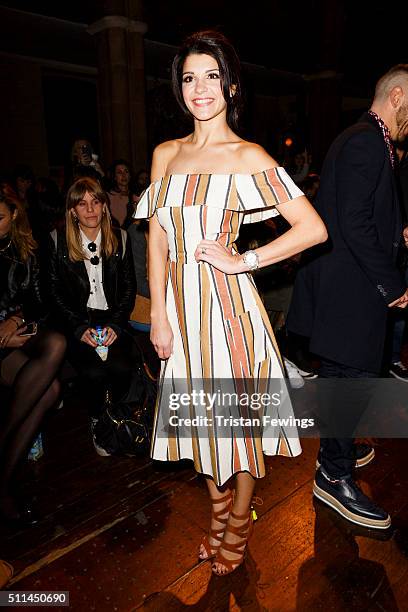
x,y
251,259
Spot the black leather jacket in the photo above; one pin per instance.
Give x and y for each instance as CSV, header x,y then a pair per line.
x,y
69,288
20,286
19,289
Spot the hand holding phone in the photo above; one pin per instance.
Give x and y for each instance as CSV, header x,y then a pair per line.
x,y
31,329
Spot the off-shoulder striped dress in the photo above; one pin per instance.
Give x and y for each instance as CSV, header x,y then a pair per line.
x,y
222,336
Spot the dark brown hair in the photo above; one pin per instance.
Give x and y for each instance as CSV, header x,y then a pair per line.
x,y
211,42
20,233
112,171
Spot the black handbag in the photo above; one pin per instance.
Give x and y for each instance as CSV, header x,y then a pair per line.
x,y
125,427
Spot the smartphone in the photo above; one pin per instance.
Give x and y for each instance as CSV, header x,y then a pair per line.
x,y
31,329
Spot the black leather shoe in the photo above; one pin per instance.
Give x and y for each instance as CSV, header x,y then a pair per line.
x,y
344,496
364,454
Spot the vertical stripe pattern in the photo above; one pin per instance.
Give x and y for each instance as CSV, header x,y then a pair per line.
x,y
221,330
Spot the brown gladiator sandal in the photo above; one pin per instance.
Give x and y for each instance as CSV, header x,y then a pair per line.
x,y
244,532
217,534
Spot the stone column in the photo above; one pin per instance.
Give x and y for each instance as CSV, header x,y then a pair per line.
x,y
324,85
121,88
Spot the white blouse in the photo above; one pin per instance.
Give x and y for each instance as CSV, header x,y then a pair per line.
x,y
97,299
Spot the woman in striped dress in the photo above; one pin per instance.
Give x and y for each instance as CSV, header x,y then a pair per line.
x,y
208,323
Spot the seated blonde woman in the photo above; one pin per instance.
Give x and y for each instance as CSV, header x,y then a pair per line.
x,y
92,284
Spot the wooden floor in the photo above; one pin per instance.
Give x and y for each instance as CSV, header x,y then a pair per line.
x,y
122,534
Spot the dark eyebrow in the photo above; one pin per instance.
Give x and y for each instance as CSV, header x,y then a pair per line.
x,y
210,70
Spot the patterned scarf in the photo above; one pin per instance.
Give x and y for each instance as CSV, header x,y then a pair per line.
x,y
387,137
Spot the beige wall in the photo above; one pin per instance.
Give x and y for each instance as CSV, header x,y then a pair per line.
x,y
22,128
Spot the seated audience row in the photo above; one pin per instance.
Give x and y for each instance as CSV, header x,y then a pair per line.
x,y
74,300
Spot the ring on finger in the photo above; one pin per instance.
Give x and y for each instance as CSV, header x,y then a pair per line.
x,y
203,251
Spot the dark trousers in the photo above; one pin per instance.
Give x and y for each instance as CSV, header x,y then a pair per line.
x,y
98,376
345,404
396,330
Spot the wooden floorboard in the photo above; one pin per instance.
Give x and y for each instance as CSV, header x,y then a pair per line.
x,y
122,534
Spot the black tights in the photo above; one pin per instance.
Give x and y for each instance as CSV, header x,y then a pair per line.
x,y
31,373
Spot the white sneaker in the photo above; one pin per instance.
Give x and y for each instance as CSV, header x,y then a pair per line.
x,y
295,378
399,370
101,451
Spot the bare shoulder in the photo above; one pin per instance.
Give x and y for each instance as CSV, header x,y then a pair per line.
x,y
162,155
254,157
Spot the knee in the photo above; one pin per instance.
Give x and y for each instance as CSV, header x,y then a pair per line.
x,y
57,345
52,346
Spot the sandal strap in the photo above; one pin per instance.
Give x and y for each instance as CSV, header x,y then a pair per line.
x,y
241,517
216,514
230,564
219,500
217,534
235,547
206,544
240,531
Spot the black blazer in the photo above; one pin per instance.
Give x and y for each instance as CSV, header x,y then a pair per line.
x,y
69,287
341,295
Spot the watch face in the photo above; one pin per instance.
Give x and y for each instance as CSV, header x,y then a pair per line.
x,y
251,259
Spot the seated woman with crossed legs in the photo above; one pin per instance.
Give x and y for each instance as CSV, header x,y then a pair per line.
x,y
28,363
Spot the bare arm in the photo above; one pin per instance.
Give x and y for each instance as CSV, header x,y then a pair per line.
x,y
161,334
158,253
306,231
307,228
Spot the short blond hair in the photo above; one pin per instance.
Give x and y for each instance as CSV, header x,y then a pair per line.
x,y
396,76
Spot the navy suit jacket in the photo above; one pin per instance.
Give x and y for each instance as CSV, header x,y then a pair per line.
x,y
341,294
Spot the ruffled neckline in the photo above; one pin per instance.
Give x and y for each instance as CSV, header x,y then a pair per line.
x,y
236,191
165,176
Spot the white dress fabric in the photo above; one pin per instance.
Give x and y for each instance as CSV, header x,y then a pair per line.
x,y
223,341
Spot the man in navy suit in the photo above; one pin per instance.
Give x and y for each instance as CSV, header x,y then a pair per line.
x,y
343,295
